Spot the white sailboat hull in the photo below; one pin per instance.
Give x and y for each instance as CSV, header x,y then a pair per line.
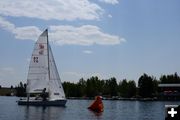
x,y
43,103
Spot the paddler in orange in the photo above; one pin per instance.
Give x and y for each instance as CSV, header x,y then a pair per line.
x,y
97,105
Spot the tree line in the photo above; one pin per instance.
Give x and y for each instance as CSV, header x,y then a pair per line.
x,y
146,87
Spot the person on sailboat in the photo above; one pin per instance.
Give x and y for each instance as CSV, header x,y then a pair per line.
x,y
44,95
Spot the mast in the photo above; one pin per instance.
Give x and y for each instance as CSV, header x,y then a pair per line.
x,y
48,57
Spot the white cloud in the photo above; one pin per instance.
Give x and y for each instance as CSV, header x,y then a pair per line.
x,y
110,1
27,32
110,16
84,35
51,9
87,52
65,34
6,25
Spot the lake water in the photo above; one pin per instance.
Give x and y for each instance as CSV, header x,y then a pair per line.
x,y
77,110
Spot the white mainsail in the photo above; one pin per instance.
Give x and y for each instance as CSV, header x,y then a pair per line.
x,y
38,69
43,72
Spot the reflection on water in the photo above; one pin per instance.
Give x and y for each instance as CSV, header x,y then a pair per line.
x,y
96,114
77,110
43,113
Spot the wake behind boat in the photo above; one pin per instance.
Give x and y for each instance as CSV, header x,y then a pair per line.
x,y
43,79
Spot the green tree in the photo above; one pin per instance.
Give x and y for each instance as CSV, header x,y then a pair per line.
x,y
92,87
155,87
71,89
113,86
123,87
82,87
145,85
131,89
106,88
21,90
127,89
173,78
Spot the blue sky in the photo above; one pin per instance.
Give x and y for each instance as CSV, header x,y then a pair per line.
x,y
107,38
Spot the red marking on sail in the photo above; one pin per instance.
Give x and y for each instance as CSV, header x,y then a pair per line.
x,y
97,105
41,46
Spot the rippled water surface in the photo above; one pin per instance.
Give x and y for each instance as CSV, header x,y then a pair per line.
x,y
77,110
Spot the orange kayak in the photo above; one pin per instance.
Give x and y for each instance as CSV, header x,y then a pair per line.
x,y
97,105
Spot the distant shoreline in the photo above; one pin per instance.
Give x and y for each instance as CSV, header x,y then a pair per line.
x,y
122,99
108,99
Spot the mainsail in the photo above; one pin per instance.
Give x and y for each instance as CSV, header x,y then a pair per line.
x,y
38,69
43,72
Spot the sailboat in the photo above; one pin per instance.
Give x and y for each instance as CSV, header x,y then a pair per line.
x,y
44,86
